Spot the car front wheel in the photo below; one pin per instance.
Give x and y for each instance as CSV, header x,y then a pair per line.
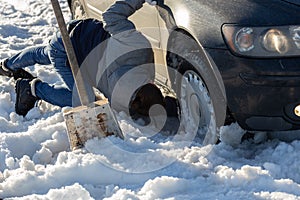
x,y
197,111
198,86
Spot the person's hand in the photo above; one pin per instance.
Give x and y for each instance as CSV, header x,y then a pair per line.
x,y
151,2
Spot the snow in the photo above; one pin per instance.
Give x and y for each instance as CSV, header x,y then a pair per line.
x,y
36,161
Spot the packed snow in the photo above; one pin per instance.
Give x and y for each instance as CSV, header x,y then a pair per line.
x,y
36,161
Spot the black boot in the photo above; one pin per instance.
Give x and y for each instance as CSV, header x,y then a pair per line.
x,y
26,99
5,71
18,73
21,73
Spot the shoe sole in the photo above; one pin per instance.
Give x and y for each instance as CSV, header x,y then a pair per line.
x,y
17,88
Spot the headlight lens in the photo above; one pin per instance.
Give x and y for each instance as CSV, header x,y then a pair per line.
x,y
281,41
244,39
295,30
275,41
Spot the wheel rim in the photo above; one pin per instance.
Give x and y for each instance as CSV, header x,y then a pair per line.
x,y
78,11
197,111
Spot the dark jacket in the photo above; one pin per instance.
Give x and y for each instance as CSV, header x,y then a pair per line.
x,y
85,35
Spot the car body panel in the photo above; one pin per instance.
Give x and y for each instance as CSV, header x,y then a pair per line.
x,y
260,89
95,8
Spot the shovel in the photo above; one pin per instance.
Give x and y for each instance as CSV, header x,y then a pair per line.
x,y
89,120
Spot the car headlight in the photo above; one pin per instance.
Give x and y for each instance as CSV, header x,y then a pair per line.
x,y
279,41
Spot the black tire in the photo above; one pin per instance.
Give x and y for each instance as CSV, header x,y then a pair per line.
x,y
198,86
77,10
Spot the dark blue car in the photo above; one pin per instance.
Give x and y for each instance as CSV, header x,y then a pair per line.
x,y
225,60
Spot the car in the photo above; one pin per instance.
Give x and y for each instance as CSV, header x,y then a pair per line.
x,y
226,61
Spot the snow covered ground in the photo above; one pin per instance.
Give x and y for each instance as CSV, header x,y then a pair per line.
x,y
36,163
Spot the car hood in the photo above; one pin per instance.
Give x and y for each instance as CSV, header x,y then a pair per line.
x,y
297,2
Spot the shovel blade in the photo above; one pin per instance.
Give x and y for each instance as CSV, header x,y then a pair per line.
x,y
86,122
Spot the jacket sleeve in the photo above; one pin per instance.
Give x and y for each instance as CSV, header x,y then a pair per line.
x,y
115,18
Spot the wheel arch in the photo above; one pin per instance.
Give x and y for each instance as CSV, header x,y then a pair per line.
x,y
210,74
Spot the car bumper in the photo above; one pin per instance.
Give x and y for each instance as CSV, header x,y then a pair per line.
x,y
261,93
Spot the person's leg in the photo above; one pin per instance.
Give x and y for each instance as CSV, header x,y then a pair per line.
x,y
53,54
51,94
13,66
58,96
58,59
30,56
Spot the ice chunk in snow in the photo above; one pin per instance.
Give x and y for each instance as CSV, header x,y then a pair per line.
x,y
232,134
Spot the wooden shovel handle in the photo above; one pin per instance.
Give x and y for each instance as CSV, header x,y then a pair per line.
x,y
79,82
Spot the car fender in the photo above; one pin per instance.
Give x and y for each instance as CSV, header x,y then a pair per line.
x,y
208,71
173,22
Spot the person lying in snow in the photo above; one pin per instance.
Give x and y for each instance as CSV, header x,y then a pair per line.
x,y
113,57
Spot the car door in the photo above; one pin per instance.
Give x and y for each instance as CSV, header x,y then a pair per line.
x,y
145,20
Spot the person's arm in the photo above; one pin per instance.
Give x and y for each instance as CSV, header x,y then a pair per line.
x,y
115,18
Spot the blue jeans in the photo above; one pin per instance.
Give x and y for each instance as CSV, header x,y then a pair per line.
x,y
54,54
